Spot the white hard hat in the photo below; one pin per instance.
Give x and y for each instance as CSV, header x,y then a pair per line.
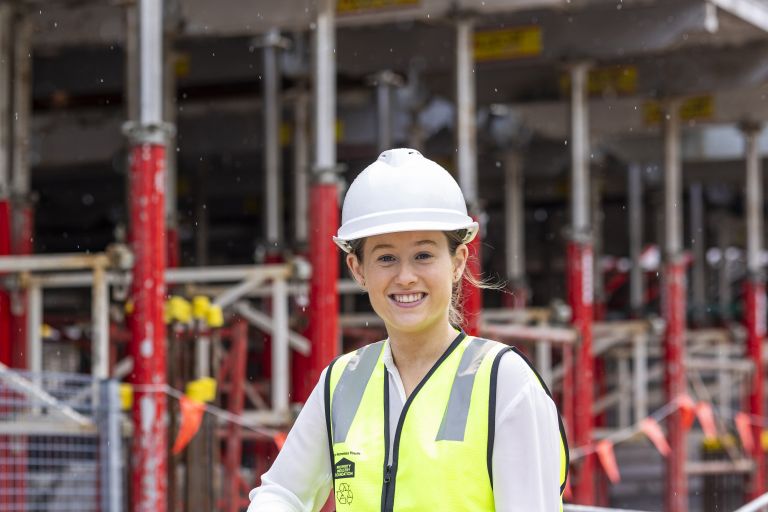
x,y
402,191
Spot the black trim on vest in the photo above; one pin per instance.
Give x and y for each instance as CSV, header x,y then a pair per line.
x,y
559,419
327,398
385,484
492,409
389,499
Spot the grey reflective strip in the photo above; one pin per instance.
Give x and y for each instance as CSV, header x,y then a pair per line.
x,y
349,390
455,418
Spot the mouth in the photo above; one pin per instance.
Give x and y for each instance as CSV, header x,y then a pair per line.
x,y
407,300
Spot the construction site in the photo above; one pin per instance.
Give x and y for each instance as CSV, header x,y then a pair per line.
x,y
171,175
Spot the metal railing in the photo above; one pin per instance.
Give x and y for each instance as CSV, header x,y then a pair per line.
x,y
60,443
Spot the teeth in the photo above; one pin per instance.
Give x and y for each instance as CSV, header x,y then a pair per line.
x,y
413,297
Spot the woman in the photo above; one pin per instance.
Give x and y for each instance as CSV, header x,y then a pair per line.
x,y
431,418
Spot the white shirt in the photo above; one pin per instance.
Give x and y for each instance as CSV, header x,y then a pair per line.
x,y
526,451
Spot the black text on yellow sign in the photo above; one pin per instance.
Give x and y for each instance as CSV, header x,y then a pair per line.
x,y
508,43
695,108
615,80
359,6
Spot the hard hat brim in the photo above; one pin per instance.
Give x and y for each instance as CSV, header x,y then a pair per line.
x,y
344,239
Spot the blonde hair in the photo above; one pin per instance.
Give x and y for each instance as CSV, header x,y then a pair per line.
x,y
455,239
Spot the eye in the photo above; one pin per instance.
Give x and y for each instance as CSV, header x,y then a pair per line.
x,y
423,256
385,258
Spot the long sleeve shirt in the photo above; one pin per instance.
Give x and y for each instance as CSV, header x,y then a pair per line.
x,y
526,453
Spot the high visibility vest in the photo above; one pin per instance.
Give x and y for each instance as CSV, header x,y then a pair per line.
x,y
443,443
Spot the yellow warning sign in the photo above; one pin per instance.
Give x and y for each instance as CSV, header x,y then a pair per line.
x,y
357,6
695,108
508,43
617,80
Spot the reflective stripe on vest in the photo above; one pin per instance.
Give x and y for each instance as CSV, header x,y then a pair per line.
x,y
449,417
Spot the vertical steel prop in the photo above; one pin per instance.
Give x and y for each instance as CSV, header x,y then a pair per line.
x,y
754,300
698,277
514,222
147,345
579,279
323,207
676,491
272,111
173,247
6,14
22,213
635,229
467,162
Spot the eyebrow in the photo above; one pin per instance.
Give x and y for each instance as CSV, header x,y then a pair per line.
x,y
390,246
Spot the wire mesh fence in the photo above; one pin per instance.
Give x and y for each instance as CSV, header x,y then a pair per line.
x,y
60,443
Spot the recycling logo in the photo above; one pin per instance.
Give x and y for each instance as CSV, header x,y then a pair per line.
x,y
344,494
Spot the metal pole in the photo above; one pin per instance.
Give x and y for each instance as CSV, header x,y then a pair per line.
x,y
100,323
467,162
111,450
300,167
754,298
724,294
466,109
272,107
698,288
580,287
6,54
149,479
325,89
640,355
21,213
674,311
323,325
171,171
280,348
385,81
597,217
636,282
34,324
514,222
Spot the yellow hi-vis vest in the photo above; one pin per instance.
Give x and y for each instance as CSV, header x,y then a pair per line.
x,y
443,444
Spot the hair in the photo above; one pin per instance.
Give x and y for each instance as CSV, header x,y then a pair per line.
x,y
455,239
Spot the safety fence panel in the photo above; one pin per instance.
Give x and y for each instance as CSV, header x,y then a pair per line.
x,y
60,443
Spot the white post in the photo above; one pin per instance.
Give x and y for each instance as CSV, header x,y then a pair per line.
x,y
466,110
580,182
272,107
100,324
544,360
34,325
640,355
325,90
514,217
635,192
280,348
301,168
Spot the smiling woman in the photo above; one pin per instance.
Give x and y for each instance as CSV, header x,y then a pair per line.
x,y
430,418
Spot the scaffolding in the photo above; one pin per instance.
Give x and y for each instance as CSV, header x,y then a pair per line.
x,y
285,318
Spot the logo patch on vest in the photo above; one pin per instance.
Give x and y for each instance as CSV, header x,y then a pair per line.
x,y
344,494
344,468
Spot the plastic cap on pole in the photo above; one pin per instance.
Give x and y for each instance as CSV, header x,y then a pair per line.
x,y
403,191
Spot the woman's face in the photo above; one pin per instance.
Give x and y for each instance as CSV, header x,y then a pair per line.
x,y
409,278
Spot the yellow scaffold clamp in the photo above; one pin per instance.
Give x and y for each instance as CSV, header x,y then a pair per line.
x,y
125,392
202,390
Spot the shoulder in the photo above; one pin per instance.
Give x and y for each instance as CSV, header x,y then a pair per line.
x,y
516,374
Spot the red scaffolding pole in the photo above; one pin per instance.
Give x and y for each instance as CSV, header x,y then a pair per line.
x,y
147,347
579,261
673,310
754,301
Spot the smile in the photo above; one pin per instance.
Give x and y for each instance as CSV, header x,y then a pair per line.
x,y
408,299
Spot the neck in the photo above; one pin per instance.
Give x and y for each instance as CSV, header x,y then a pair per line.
x,y
422,349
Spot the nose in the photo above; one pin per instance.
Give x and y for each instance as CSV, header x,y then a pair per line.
x,y
405,275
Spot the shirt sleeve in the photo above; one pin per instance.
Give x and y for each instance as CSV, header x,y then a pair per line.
x,y
526,454
300,478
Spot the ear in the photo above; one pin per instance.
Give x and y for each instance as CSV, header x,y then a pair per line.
x,y
356,269
460,262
